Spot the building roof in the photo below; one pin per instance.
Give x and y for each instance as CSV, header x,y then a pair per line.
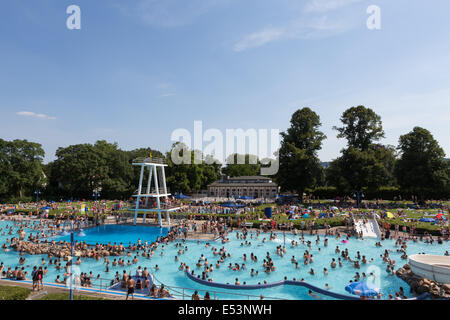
x,y
250,184
244,181
249,178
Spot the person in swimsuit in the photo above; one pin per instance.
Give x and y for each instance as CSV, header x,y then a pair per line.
x,y
130,288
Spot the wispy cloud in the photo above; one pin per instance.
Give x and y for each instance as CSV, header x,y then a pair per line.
x,y
35,115
164,95
318,19
167,89
259,38
315,27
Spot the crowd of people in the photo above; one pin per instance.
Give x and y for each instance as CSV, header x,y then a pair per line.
x,y
36,241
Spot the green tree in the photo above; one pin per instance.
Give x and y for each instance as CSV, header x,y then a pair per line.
x,y
363,165
5,170
358,170
362,126
21,163
140,153
189,176
116,180
242,165
78,170
421,168
81,169
300,167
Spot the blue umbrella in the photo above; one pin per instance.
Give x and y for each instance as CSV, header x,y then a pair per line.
x,y
362,289
427,220
232,205
244,197
181,196
305,216
46,208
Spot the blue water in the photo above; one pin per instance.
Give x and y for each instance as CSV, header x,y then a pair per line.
x,y
169,274
118,234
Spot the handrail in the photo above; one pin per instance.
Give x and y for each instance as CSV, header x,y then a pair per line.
x,y
273,284
215,293
156,160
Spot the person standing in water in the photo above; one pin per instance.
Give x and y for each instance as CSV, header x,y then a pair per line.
x,y
130,288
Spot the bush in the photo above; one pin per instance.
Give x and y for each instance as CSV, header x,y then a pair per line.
x,y
14,293
325,192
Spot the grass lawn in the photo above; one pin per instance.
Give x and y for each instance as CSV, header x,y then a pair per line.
x,y
280,218
66,296
14,293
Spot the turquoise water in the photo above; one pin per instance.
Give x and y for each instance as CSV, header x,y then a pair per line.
x,y
118,234
169,274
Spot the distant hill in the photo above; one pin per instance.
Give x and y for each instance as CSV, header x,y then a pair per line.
x,y
325,164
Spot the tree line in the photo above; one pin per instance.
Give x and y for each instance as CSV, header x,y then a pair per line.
x,y
82,169
417,166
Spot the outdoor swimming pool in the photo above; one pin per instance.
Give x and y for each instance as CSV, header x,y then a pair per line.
x,y
169,274
119,233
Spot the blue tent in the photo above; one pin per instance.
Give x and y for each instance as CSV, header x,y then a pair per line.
x,y
362,289
181,196
305,216
427,220
232,205
46,208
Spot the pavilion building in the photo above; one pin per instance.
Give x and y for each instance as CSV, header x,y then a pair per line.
x,y
253,186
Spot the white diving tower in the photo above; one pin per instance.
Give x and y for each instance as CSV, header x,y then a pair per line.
x,y
155,168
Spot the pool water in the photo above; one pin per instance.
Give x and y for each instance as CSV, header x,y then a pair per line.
x,y
169,274
119,234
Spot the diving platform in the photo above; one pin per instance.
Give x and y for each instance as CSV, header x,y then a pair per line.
x,y
150,199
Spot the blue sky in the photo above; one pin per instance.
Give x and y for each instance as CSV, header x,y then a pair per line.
x,y
139,69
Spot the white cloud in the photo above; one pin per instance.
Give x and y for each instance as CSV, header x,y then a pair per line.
x,y
258,39
167,89
305,28
167,95
35,115
318,19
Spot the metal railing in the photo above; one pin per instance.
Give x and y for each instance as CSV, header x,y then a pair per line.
x,y
185,293
152,191
181,293
150,160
